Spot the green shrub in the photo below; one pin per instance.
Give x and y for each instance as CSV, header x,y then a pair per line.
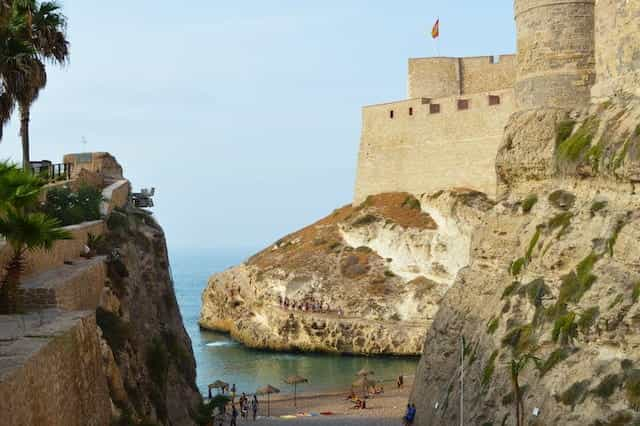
x,y
608,386
388,273
158,361
489,369
554,358
596,206
411,202
535,291
529,202
493,324
632,389
576,284
521,339
516,266
575,393
365,220
562,199
510,289
611,242
115,331
71,208
562,221
565,328
564,130
588,318
572,148
532,245
635,294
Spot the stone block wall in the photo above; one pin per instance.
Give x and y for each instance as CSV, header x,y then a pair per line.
x,y
617,44
101,163
556,62
115,196
42,260
420,151
51,372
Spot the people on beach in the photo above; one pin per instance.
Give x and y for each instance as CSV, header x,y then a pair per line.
x,y
400,381
254,407
233,392
234,416
410,415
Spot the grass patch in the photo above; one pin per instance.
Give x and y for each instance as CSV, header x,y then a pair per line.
x,y
608,386
571,148
597,205
562,221
516,266
618,300
489,369
575,393
562,199
493,325
535,291
529,202
532,244
632,389
576,284
587,319
635,293
565,328
611,242
564,130
115,331
521,339
554,358
511,288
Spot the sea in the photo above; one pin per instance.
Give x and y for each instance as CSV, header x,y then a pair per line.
x,y
220,357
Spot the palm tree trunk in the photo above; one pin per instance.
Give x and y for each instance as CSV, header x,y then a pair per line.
x,y
11,282
24,134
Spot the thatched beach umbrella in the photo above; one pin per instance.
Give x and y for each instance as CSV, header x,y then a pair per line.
x,y
268,390
218,384
364,373
295,380
363,382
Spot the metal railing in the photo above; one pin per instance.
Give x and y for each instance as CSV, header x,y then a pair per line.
x,y
51,172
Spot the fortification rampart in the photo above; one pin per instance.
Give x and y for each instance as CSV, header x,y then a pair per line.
x,y
442,77
617,42
556,62
423,145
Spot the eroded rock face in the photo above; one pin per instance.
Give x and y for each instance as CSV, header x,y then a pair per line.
x,y
559,281
375,272
147,355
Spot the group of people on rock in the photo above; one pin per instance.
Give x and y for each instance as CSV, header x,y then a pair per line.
x,y
310,305
242,409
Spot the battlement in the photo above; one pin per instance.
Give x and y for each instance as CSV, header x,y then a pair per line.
x,y
441,77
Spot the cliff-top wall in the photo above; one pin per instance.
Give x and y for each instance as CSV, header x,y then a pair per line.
x,y
421,145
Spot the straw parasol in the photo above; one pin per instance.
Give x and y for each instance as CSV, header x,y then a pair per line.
x,y
363,382
218,384
364,373
295,380
268,390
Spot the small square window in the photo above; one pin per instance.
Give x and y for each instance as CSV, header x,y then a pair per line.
x,y
463,104
434,108
391,114
494,100
410,111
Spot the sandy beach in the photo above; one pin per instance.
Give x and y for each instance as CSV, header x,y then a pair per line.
x,y
382,410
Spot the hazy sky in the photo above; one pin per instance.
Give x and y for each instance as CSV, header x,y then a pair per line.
x,y
245,115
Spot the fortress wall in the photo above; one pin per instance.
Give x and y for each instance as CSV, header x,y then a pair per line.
x,y
488,73
556,63
433,77
617,41
427,152
443,77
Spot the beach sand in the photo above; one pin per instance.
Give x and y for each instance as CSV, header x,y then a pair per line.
x,y
382,410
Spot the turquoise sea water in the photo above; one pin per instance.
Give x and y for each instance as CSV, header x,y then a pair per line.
x,y
219,357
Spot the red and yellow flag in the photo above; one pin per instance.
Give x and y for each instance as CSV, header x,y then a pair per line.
x,y
435,32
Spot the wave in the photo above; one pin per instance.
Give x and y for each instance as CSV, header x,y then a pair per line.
x,y
219,344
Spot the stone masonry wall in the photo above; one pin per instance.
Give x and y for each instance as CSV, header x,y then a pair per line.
x,y
59,381
556,64
617,41
443,77
425,152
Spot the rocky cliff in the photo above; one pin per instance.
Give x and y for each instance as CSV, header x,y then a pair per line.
x,y
366,279
146,351
550,298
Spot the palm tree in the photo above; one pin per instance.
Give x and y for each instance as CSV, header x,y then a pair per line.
x,y
22,228
37,34
517,366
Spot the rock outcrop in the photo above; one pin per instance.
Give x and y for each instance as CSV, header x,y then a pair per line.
x,y
146,351
551,295
364,280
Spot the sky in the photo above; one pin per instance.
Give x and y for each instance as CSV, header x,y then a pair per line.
x,y
244,115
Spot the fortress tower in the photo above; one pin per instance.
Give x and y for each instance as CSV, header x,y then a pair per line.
x,y
556,60
617,41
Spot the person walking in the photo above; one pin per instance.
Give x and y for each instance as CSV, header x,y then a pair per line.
x,y
234,416
233,393
254,407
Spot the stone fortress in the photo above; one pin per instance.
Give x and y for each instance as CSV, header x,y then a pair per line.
x,y
448,132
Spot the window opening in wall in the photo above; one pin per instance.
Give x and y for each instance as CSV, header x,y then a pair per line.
x,y
410,111
434,108
494,100
463,104
391,114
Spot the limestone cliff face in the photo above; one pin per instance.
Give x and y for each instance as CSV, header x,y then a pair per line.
x,y
379,270
554,274
146,351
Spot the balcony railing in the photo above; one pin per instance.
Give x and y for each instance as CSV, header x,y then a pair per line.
x,y
51,172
